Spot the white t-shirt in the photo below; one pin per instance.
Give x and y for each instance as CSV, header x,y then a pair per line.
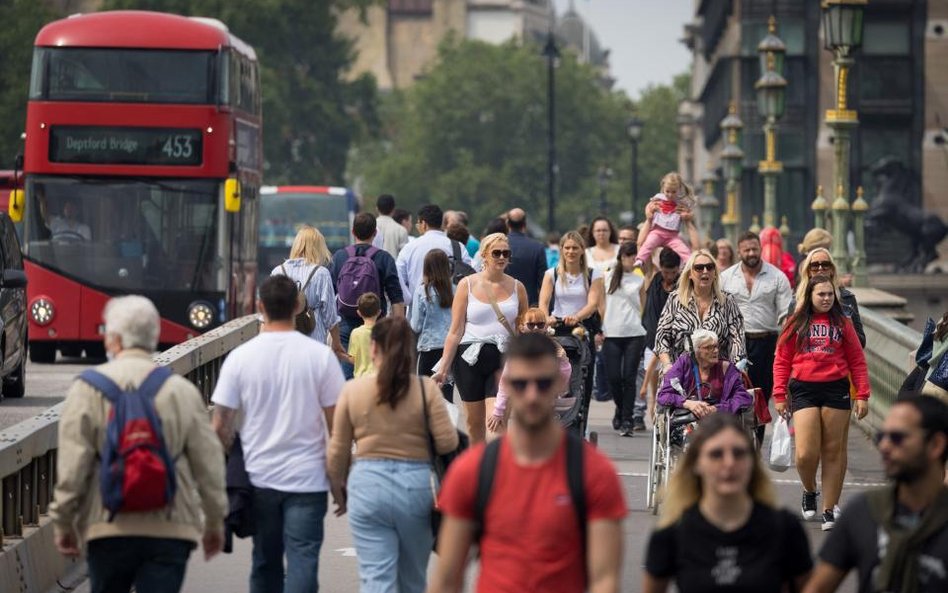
x,y
280,382
571,296
623,317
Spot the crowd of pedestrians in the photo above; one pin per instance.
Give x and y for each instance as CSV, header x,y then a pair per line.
x,y
347,396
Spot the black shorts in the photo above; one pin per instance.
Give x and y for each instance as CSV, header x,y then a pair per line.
x,y
825,394
478,382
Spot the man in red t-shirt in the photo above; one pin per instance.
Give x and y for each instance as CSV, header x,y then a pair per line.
x,y
530,536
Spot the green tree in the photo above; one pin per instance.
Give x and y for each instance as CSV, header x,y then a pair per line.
x,y
312,115
471,134
22,20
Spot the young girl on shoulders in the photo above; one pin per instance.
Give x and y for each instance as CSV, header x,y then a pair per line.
x,y
664,215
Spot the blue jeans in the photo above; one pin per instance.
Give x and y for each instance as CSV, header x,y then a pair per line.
x,y
290,522
153,565
389,505
345,330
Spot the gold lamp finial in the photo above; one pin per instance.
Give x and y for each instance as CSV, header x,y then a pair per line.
x,y
732,107
772,24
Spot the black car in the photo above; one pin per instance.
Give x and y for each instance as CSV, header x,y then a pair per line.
x,y
12,312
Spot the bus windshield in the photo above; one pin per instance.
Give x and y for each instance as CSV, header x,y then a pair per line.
x,y
126,234
123,75
282,214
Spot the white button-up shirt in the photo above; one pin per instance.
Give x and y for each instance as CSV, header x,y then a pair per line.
x,y
766,304
411,259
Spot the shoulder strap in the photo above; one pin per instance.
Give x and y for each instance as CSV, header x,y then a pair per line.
x,y
501,318
306,284
371,251
485,483
154,381
283,270
456,251
109,389
574,476
351,250
424,410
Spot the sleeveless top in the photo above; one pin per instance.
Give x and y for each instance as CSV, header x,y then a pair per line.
x,y
482,323
571,296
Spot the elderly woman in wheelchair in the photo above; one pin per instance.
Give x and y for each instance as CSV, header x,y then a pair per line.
x,y
702,383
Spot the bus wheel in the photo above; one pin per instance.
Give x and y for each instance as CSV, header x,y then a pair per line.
x,y
43,352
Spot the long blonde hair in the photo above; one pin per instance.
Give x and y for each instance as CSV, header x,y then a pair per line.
x,y
684,190
685,487
561,266
802,296
685,287
310,245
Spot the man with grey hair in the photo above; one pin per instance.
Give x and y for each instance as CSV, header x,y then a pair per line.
x,y
148,549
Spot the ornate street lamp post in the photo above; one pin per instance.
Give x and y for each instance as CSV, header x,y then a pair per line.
x,y
634,130
732,157
842,34
708,203
771,103
604,175
551,53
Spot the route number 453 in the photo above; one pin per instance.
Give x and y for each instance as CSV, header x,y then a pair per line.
x,y
178,147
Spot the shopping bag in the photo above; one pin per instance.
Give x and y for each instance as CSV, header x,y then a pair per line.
x,y
781,446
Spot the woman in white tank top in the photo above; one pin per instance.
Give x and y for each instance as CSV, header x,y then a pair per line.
x,y
483,317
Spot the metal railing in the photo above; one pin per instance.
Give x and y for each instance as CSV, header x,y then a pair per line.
x,y
889,348
28,450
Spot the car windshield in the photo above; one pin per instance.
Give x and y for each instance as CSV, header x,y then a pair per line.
x,y
126,234
123,75
282,215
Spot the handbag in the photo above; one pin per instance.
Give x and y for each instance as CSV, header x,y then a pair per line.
x,y
439,464
761,409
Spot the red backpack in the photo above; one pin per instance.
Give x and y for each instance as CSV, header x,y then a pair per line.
x,y
136,472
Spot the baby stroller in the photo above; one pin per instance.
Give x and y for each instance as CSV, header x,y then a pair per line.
x,y
572,409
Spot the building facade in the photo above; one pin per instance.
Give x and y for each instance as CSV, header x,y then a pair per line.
x,y
899,87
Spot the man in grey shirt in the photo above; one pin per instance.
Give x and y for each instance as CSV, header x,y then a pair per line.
x,y
762,292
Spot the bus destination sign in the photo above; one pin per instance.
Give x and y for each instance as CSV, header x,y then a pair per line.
x,y
125,146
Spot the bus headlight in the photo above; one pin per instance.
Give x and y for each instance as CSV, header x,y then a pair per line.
x,y
200,315
42,311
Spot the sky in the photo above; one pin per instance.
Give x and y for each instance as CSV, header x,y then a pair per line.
x,y
643,36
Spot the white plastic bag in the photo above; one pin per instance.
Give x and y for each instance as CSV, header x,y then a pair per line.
x,y
781,447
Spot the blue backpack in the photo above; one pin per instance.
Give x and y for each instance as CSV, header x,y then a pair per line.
x,y
136,472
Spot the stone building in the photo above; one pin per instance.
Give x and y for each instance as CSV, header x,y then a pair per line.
x,y
899,87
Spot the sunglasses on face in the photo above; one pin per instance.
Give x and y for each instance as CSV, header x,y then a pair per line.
x,y
500,253
544,384
897,437
738,453
535,326
703,268
821,265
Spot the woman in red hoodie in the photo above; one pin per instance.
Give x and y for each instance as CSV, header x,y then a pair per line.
x,y
816,354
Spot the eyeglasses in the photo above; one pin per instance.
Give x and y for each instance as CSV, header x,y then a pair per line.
x,y
709,347
544,384
500,253
821,265
738,453
703,268
535,326
896,436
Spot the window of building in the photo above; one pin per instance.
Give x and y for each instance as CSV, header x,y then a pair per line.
x,y
886,38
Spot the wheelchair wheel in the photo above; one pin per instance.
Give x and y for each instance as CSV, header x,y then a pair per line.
x,y
656,468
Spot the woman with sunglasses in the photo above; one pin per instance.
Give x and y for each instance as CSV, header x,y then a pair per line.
x,y
720,528
699,303
624,335
571,291
819,261
818,353
709,383
532,322
485,310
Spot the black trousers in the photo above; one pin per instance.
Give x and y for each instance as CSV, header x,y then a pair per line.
x,y
760,353
428,359
622,357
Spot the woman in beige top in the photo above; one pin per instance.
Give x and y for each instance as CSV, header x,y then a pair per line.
x,y
388,491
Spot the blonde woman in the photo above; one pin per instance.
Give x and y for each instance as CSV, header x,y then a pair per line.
x,y
720,527
819,261
699,303
308,266
483,317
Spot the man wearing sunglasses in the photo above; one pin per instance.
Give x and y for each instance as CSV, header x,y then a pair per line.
x,y
897,537
529,531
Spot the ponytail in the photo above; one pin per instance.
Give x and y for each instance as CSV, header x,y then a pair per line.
x,y
396,345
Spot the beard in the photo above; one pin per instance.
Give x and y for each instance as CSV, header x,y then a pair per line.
x,y
751,262
535,422
909,471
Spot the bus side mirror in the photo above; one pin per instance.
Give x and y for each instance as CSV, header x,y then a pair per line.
x,y
17,202
231,195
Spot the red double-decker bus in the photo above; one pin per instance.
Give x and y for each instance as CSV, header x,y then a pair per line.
x,y
143,162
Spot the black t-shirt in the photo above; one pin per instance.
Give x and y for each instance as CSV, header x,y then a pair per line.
x,y
769,550
856,540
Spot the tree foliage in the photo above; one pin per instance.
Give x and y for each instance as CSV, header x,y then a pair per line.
x,y
471,134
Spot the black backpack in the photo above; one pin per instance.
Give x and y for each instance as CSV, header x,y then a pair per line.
x,y
574,477
459,269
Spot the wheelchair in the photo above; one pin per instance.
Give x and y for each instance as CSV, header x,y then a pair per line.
x,y
673,427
